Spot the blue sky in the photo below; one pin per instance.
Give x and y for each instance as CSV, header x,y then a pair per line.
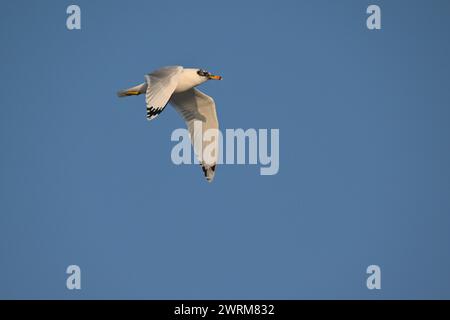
x,y
364,135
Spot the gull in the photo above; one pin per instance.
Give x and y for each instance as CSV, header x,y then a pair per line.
x,y
176,85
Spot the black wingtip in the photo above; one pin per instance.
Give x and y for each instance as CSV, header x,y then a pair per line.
x,y
209,172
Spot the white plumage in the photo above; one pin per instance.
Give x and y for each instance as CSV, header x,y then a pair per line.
x,y
176,85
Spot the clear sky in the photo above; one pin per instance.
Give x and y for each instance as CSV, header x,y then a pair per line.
x,y
364,173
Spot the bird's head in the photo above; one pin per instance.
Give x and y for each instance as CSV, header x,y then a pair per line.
x,y
208,75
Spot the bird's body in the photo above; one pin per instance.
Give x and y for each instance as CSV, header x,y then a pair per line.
x,y
187,79
176,85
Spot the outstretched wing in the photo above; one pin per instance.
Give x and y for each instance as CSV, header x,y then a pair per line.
x,y
160,86
199,112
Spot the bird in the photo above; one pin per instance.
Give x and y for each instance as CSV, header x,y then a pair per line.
x,y
177,85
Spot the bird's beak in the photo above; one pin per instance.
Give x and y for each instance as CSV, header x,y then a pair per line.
x,y
213,77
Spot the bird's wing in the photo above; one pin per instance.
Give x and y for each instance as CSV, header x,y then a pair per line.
x,y
197,108
160,86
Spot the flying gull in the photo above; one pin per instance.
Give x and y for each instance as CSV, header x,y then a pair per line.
x,y
176,85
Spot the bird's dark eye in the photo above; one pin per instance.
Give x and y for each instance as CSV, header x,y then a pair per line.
x,y
202,73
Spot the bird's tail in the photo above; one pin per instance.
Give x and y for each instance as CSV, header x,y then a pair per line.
x,y
134,91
